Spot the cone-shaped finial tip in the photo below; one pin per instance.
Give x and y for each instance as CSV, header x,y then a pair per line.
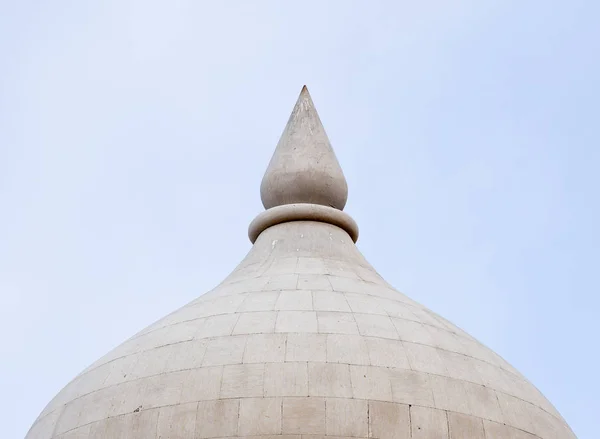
x,y
304,168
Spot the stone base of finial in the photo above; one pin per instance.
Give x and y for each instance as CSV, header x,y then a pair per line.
x,y
302,212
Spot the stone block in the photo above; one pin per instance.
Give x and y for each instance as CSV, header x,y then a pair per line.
x,y
336,323
259,416
296,321
428,423
412,332
376,326
263,301
483,402
225,350
177,422
327,379
164,389
460,366
330,301
265,348
370,382
360,303
464,426
217,326
303,416
449,394
410,387
202,384
424,359
387,353
517,413
444,339
279,282
286,379
217,418
496,430
388,420
314,282
186,355
311,266
137,425
242,381
260,322
306,347
349,349
346,417
296,300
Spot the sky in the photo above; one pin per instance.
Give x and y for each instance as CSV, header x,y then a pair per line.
x,y
134,136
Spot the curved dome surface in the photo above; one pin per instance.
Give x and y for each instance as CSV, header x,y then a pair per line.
x,y
303,339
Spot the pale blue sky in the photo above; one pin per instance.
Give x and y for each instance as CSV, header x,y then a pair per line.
x,y
134,134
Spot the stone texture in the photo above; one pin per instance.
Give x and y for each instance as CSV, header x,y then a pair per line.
x,y
427,423
255,323
265,348
410,387
306,347
296,321
177,421
336,323
303,340
242,380
259,416
465,426
388,420
218,418
286,379
325,379
346,417
304,416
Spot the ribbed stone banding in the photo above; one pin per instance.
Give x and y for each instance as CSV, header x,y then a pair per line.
x,y
302,212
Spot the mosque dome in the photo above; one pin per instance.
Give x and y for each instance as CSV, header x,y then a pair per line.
x,y
303,339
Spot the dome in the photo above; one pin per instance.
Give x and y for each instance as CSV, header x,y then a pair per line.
x,y
303,339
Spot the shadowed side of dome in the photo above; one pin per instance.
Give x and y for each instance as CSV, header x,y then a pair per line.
x,y
303,340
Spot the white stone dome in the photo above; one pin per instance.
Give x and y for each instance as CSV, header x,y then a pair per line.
x,y
304,338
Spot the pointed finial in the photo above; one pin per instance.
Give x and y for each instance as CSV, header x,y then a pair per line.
x,y
304,181
304,168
